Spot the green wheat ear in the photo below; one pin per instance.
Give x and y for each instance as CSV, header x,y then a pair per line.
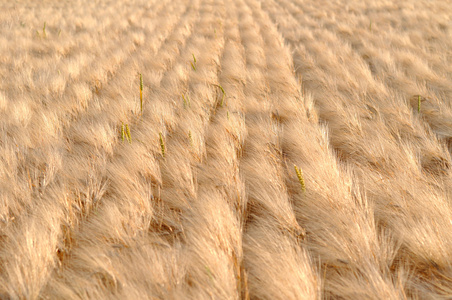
x,y
224,94
191,138
129,137
141,92
300,177
209,272
122,132
193,64
419,103
162,144
186,101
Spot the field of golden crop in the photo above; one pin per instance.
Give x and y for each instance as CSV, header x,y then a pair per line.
x,y
274,149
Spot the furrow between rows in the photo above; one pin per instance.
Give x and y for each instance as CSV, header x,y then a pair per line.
x,y
272,234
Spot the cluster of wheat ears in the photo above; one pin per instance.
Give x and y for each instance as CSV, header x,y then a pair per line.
x,y
213,149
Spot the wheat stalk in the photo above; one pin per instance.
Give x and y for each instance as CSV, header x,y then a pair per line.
x,y
300,177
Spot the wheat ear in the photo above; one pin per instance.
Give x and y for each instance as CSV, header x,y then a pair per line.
x,y
162,144
224,94
419,103
186,101
129,137
300,178
141,93
191,138
193,64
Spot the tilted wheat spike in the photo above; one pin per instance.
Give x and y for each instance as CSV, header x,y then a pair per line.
x,y
193,64
209,272
224,94
419,103
141,92
186,101
129,137
300,178
191,138
162,144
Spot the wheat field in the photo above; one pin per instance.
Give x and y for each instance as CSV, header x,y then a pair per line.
x,y
213,149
